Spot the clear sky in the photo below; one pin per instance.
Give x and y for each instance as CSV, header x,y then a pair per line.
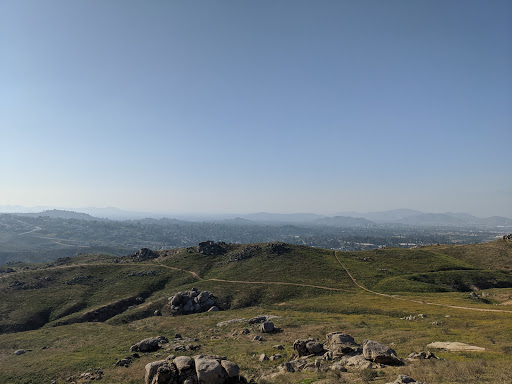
x,y
245,106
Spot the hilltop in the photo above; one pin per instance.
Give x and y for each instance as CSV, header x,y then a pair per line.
x,y
87,311
48,235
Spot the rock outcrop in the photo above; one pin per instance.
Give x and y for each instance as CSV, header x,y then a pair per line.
x,y
343,349
149,345
144,254
193,301
307,347
199,370
380,353
211,248
339,344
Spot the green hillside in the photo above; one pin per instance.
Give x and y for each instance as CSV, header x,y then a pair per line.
x,y
87,311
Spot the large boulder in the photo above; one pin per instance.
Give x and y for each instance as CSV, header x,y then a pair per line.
x,y
307,347
340,344
184,363
314,347
232,369
267,327
209,371
161,372
380,353
299,346
204,369
186,368
148,345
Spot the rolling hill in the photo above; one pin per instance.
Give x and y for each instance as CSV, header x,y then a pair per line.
x,y
84,312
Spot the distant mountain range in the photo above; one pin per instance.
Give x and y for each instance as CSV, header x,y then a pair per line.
x,y
344,219
60,214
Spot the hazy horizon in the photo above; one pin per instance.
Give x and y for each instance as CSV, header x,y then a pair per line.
x,y
239,107
119,213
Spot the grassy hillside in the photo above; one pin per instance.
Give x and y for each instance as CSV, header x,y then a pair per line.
x,y
493,255
87,311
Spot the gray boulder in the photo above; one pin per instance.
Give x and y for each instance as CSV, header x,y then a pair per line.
x,y
380,353
186,368
307,347
340,344
299,346
19,352
357,361
267,327
161,372
314,347
147,345
184,363
209,371
232,369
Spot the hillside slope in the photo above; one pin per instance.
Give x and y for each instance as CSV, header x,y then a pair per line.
x,y
87,311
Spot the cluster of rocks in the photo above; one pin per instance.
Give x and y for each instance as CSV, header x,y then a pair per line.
x,y
143,254
245,253
93,374
78,279
7,270
182,344
193,301
211,248
343,348
143,273
22,285
482,297
277,248
414,317
254,320
344,352
507,237
126,361
209,369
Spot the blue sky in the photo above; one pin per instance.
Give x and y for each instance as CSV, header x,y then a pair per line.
x,y
246,106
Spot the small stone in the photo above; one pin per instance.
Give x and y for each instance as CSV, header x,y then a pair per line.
x,y
19,352
263,357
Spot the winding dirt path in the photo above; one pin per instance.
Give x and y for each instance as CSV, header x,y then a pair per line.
x,y
280,283
335,253
396,297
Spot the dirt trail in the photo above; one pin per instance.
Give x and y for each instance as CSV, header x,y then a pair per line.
x,y
279,283
196,275
414,300
37,228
